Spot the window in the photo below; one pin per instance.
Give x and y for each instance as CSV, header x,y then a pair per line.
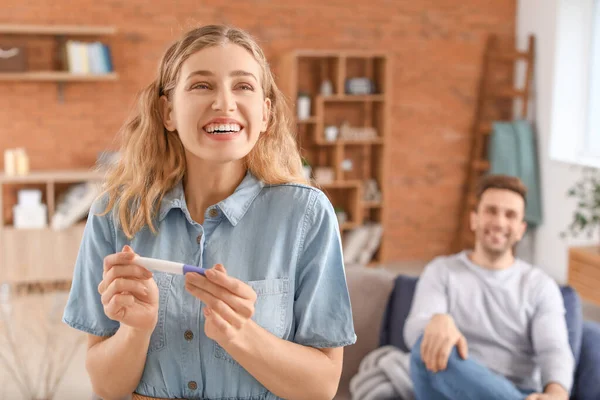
x,y
575,115
592,148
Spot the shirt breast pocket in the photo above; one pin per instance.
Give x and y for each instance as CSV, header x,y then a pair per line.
x,y
270,310
158,338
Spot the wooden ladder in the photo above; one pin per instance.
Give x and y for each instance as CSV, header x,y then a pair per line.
x,y
491,94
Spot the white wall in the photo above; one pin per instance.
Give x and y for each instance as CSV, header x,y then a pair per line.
x,y
542,18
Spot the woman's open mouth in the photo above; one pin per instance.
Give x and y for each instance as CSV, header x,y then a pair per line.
x,y
223,131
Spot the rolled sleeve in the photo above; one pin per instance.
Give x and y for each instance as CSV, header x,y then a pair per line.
x,y
550,337
322,310
84,310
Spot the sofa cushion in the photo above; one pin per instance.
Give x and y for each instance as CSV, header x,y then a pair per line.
x,y
587,382
400,301
398,307
369,290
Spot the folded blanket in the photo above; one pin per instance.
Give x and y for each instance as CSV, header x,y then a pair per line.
x,y
513,151
383,374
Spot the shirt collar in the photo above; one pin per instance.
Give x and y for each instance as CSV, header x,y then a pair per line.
x,y
233,207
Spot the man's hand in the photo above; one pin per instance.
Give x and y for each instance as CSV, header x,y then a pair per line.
x,y
553,391
545,396
439,338
229,303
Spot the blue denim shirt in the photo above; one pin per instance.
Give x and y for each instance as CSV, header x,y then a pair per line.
x,y
283,240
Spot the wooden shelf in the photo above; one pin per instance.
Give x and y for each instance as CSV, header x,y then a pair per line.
x,y
60,33
311,120
47,230
338,54
348,225
584,272
55,76
305,71
39,255
42,177
350,98
73,30
22,249
340,185
351,142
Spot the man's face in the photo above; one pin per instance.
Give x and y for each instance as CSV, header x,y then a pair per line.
x,y
498,221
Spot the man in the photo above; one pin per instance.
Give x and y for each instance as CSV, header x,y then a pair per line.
x,y
485,325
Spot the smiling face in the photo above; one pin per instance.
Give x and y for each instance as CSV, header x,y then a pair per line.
x,y
218,106
498,221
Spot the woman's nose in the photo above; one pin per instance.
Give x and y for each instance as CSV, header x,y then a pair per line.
x,y
224,101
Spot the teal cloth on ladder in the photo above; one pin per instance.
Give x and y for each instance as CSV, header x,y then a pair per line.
x,y
512,151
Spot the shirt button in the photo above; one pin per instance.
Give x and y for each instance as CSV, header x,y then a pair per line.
x,y
192,385
188,335
199,238
213,212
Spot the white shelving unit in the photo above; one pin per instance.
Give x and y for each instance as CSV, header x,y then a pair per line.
x,y
40,255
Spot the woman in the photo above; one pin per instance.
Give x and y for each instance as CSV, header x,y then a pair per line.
x,y
210,175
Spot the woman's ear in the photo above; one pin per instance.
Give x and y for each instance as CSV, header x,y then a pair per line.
x,y
266,115
167,113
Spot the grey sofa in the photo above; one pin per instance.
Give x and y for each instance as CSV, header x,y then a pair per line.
x,y
381,301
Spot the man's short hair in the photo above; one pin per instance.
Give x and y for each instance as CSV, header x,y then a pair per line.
x,y
506,182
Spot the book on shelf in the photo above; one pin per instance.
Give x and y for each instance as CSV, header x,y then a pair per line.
x,y
88,58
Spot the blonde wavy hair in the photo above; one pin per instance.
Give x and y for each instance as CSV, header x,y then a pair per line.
x,y
152,159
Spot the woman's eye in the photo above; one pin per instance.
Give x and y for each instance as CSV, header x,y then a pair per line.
x,y
245,86
199,86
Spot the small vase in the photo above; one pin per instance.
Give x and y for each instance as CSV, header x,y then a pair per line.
x,y
303,107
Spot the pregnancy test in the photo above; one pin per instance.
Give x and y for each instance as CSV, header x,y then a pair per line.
x,y
170,267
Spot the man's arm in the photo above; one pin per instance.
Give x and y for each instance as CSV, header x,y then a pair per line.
x,y
430,298
550,340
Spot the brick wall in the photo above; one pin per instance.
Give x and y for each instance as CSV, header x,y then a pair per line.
x,y
436,46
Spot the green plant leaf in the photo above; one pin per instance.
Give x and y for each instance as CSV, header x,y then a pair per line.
x,y
586,216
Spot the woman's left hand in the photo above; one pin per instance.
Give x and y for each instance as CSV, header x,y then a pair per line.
x,y
229,303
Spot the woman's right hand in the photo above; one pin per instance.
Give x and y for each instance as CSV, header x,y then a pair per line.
x,y
129,294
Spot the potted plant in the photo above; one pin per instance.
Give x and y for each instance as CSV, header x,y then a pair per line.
x,y
586,216
584,261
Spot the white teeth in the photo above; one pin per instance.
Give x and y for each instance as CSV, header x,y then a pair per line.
x,y
222,129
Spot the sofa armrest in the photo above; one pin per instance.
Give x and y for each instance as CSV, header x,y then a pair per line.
x,y
587,382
